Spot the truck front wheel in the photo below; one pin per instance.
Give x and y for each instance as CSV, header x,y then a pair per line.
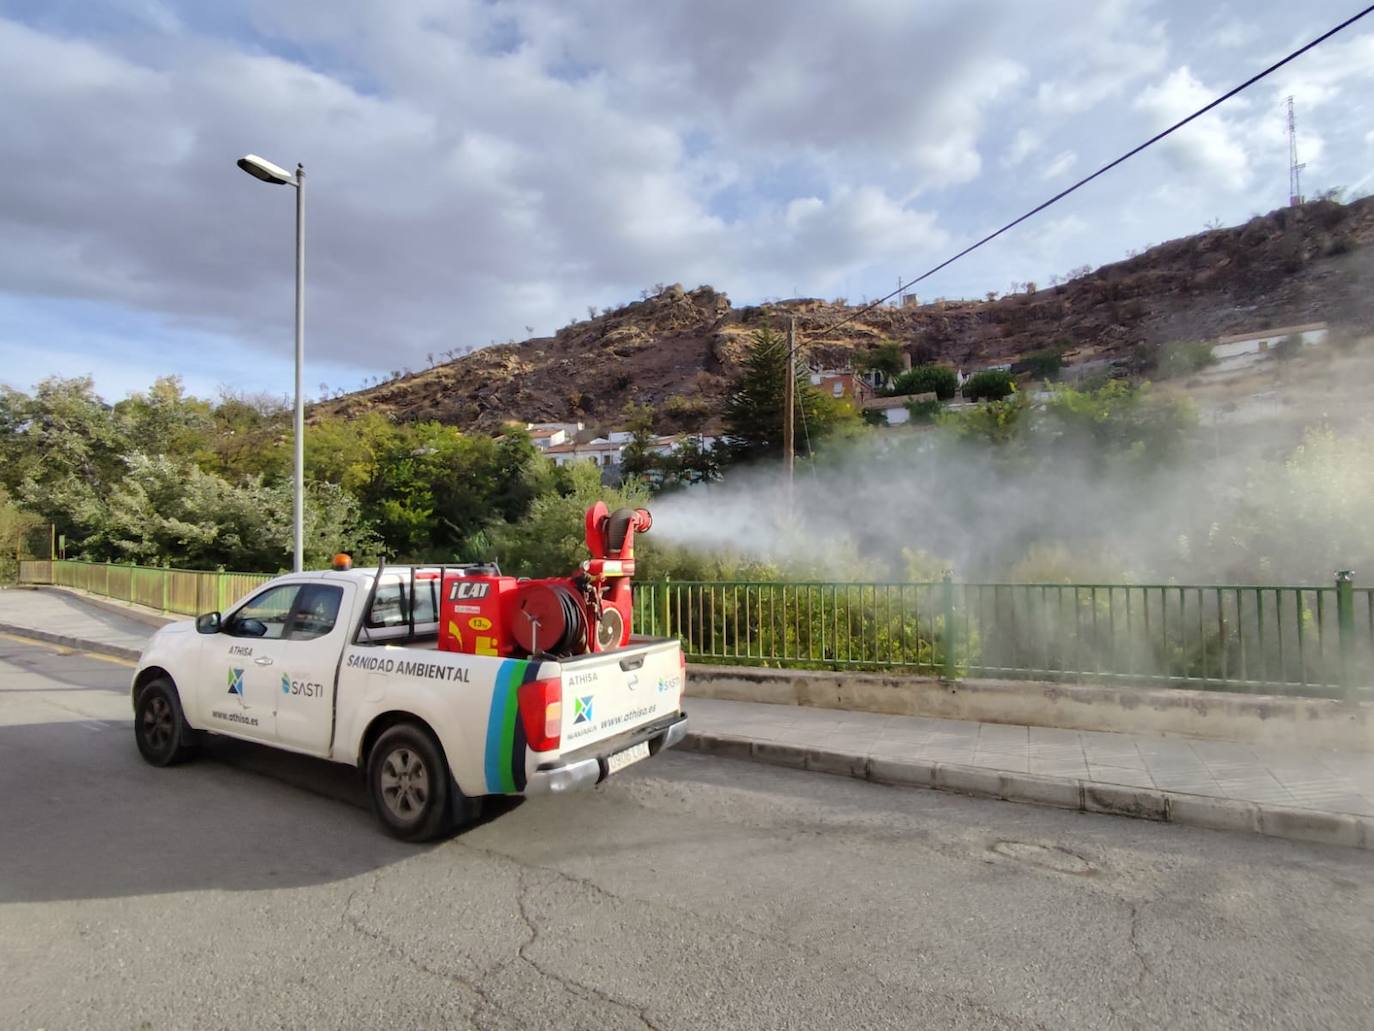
x,y
160,729
409,784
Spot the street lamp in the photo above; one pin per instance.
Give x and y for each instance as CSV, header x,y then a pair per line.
x,y
261,168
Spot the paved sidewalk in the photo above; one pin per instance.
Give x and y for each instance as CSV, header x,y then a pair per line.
x,y
1341,782
56,614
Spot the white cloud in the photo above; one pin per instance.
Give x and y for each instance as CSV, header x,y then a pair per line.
x,y
1062,162
1025,143
1210,146
1105,48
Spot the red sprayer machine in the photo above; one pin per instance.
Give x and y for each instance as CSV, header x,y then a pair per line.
x,y
484,613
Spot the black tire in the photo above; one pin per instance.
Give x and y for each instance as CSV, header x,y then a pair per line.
x,y
409,785
164,737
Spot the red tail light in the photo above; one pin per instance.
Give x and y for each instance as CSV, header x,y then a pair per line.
x,y
541,711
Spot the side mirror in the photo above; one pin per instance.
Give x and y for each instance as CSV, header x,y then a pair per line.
x,y
208,623
250,628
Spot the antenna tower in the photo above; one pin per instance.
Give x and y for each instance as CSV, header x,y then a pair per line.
x,y
1295,167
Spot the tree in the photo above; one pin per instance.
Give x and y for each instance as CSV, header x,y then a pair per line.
x,y
885,360
754,410
924,379
61,452
639,459
1045,363
1118,424
690,463
990,385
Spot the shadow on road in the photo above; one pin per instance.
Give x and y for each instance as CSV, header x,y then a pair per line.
x,y
84,817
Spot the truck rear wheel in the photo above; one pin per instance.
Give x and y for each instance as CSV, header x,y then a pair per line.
x,y
409,785
163,736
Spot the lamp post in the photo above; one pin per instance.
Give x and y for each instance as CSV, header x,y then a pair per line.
x,y
261,168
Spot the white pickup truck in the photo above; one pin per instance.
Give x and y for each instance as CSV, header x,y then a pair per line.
x,y
324,664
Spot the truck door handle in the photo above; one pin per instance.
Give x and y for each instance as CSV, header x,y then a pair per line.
x,y
263,660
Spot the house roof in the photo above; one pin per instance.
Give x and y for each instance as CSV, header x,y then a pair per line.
x,y
1278,331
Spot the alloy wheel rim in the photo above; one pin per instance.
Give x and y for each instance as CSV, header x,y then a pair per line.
x,y
404,783
157,723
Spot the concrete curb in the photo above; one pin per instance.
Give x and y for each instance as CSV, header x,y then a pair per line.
x,y
100,647
1219,814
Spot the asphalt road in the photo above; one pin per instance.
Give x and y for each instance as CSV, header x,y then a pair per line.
x,y
252,890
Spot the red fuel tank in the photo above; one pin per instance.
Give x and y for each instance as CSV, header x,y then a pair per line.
x,y
474,615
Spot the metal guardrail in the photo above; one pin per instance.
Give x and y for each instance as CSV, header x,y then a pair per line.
x,y
186,592
1316,641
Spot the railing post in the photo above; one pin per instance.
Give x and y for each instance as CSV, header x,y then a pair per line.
x,y
667,607
951,668
166,582
1345,622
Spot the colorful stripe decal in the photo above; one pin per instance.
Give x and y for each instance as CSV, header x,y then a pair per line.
x,y
505,710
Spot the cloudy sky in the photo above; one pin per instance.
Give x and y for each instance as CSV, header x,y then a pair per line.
x,y
476,169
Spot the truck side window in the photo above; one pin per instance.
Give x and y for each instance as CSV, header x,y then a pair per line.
x,y
316,612
268,609
392,604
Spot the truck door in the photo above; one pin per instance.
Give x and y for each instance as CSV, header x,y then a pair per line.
x,y
303,664
236,689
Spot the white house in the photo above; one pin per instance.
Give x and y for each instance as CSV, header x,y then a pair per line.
x,y
1238,344
545,439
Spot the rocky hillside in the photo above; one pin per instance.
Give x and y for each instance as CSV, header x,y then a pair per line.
x,y
679,350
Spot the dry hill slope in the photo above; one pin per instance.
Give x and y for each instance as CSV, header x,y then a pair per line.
x,y
679,350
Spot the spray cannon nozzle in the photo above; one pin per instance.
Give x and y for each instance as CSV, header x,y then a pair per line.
x,y
611,535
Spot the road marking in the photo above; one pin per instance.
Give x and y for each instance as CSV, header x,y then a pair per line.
x,y
61,649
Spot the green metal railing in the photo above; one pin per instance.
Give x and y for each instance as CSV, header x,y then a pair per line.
x,y
1316,641
187,592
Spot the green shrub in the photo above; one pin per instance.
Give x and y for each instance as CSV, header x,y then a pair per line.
x,y
989,385
924,411
1184,357
1045,363
940,380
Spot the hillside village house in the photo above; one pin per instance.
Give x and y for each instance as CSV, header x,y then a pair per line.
x,y
607,451
545,435
1257,342
839,383
1241,350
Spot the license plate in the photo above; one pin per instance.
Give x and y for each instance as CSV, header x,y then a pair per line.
x,y
620,760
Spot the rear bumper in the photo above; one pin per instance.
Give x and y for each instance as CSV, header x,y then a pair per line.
x,y
588,767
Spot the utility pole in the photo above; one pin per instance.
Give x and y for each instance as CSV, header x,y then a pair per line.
x,y
1294,166
789,405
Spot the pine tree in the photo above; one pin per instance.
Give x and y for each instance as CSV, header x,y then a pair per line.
x,y
754,411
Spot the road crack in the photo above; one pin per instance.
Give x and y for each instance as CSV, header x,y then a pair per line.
x,y
994,1017
524,887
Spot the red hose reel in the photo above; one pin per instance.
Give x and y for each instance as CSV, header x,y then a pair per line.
x,y
588,611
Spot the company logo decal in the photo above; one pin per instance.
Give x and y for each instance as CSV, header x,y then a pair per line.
x,y
236,683
582,709
465,590
666,684
285,684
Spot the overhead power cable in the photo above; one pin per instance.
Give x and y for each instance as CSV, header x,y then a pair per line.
x,y
1105,168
